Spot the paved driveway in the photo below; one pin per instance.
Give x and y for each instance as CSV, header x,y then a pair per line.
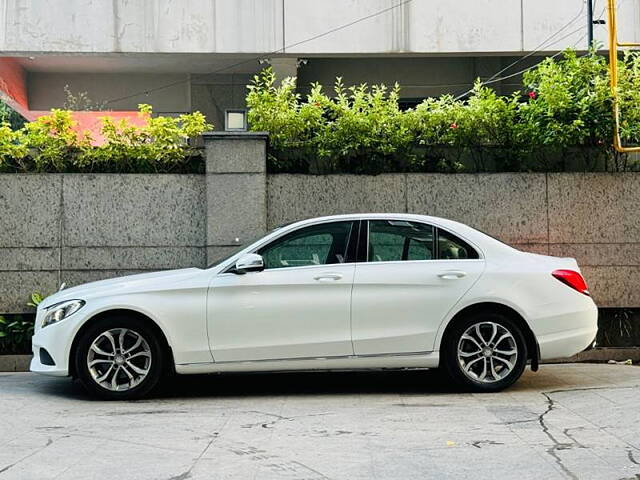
x,y
566,421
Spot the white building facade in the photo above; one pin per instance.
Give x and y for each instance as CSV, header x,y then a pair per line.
x,y
190,55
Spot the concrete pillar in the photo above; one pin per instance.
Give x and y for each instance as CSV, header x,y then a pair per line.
x,y
236,179
284,67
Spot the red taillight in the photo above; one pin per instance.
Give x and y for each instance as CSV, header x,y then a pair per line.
x,y
573,279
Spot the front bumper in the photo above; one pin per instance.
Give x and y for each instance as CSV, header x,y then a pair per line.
x,y
56,339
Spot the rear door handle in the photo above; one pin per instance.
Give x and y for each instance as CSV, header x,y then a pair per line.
x,y
326,277
452,274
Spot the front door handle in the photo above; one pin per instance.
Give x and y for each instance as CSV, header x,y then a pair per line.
x,y
452,274
326,277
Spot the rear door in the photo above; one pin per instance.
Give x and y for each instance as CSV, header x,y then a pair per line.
x,y
411,275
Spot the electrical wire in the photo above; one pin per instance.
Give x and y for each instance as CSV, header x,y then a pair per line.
x,y
534,66
543,44
494,78
275,52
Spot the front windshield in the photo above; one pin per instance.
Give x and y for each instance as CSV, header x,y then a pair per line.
x,y
240,248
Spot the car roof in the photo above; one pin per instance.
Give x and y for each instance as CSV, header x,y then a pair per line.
x,y
437,221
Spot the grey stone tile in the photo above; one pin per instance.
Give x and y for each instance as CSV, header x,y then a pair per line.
x,y
78,277
599,254
105,258
15,363
7,363
236,208
17,287
296,197
217,253
134,210
226,154
41,258
594,207
539,248
613,286
30,210
509,206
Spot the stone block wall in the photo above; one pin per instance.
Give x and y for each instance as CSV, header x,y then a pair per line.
x,y
76,228
594,217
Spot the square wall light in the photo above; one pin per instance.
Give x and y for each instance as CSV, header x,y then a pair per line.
x,y
235,120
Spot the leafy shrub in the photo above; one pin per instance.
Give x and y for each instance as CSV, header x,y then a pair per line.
x,y
359,125
51,144
15,335
569,105
16,332
562,115
10,116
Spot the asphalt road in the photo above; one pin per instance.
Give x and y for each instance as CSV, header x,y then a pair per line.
x,y
566,421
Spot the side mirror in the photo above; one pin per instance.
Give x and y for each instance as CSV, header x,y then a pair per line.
x,y
251,262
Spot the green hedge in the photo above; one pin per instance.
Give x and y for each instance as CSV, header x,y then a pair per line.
x,y
51,144
15,334
561,119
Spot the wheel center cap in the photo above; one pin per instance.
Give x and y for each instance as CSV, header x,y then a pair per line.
x,y
119,360
487,352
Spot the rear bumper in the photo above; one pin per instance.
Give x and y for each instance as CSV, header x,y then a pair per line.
x,y
565,335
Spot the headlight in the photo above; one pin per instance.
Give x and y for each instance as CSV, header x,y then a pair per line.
x,y
60,311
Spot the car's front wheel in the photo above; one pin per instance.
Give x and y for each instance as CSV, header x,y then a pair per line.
x,y
119,358
486,352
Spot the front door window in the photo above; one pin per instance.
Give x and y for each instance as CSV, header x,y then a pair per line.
x,y
322,244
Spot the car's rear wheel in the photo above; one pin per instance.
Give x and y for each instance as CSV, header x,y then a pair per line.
x,y
119,358
486,352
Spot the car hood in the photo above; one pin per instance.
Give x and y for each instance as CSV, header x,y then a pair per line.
x,y
130,284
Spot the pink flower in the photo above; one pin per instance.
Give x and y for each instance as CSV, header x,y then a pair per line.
x,y
454,125
532,95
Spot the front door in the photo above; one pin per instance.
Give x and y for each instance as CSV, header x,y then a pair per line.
x,y
413,275
297,307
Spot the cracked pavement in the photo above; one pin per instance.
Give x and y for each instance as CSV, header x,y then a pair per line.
x,y
575,421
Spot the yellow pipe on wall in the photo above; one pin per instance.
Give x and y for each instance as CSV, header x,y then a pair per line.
x,y
613,77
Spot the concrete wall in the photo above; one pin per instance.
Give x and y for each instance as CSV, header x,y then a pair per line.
x,y
124,52
213,94
592,217
47,90
417,77
261,26
76,228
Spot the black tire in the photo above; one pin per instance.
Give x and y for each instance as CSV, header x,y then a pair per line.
x,y
452,365
157,361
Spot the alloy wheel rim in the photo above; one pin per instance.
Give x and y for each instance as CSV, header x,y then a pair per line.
x,y
119,359
487,352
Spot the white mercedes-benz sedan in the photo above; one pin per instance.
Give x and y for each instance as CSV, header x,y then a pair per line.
x,y
361,291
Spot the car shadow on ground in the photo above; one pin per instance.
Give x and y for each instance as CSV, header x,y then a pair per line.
x,y
275,384
308,383
425,382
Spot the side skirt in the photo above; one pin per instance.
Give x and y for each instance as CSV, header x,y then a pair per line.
x,y
412,360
